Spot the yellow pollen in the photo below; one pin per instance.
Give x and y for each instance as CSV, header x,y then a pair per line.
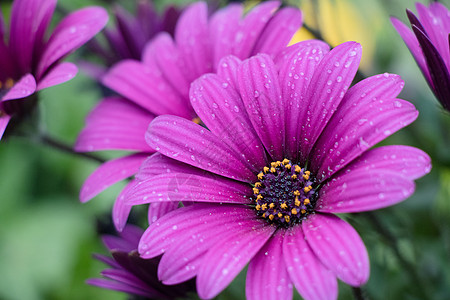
x,y
303,211
288,167
294,176
255,191
287,218
297,168
273,170
196,120
306,201
297,202
271,205
266,169
297,193
271,217
259,197
294,211
280,215
307,188
260,175
283,205
274,164
9,83
306,176
258,184
258,207
308,173
264,206
285,161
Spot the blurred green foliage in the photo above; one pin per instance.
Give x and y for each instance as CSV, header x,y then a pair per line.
x,y
47,237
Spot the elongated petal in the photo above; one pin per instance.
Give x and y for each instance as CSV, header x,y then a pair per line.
x,y
157,210
117,286
192,38
339,247
4,120
190,143
189,187
328,86
279,31
158,164
267,277
109,173
261,94
146,87
311,278
296,65
368,114
220,108
73,31
115,123
226,259
59,74
22,88
228,69
121,209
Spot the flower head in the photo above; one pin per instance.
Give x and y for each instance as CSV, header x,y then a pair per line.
x,y
160,83
286,145
429,44
30,62
131,274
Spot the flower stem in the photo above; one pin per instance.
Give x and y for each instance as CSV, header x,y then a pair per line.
x,y
358,293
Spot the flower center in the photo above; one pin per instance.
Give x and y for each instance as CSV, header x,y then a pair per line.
x,y
7,84
284,194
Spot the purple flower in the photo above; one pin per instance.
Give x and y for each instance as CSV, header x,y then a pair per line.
x,y
30,62
126,40
286,147
160,84
430,46
131,274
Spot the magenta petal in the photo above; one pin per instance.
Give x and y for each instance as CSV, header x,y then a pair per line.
x,y
109,173
368,114
192,39
310,277
224,25
279,31
228,68
267,277
328,86
227,258
251,28
339,247
121,209
22,88
29,20
61,73
4,120
157,210
117,286
146,87
297,65
190,143
158,164
71,33
261,94
189,187
220,108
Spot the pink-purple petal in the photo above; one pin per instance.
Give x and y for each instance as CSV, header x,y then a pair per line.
x,y
228,68
21,89
4,120
311,278
121,210
339,247
158,164
261,95
159,209
267,277
57,75
190,143
117,286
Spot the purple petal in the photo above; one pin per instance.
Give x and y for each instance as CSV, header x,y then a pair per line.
x,y
158,164
22,88
121,209
279,31
192,39
328,86
29,20
368,114
228,68
261,94
224,25
227,258
267,277
125,277
220,108
339,247
310,277
146,87
175,187
59,74
117,286
115,123
190,143
71,33
251,28
109,173
4,120
297,65
157,210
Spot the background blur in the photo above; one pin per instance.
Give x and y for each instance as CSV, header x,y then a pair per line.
x,y
47,236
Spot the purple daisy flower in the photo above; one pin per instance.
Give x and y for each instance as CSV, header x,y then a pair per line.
x,y
126,40
30,62
429,44
286,146
160,84
131,274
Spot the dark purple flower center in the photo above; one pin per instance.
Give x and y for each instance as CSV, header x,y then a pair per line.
x,y
284,194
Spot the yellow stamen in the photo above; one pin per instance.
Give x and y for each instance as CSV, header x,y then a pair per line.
x,y
255,191
283,205
285,161
297,202
303,211
297,168
294,211
258,184
297,193
287,218
259,197
260,176
306,201
288,167
307,188
264,206
266,169
273,170
308,173
196,120
271,205
280,215
306,176
294,176
273,164
258,207
271,217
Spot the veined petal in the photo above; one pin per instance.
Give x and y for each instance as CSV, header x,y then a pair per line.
x,y
339,247
310,277
121,209
59,74
158,209
228,69
117,286
158,164
190,143
21,89
267,277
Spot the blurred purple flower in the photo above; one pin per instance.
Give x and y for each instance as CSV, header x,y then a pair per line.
x,y
126,40
160,84
131,274
287,147
30,62
429,44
